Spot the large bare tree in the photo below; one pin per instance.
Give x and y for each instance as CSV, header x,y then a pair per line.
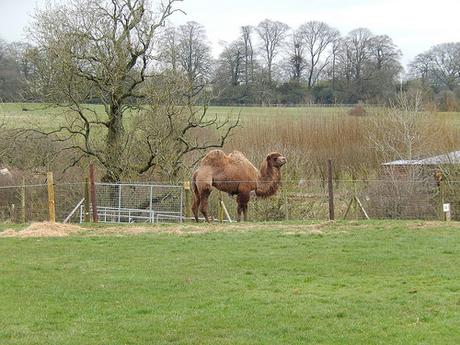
x,y
272,35
100,51
297,63
231,62
316,37
368,66
440,66
248,53
194,54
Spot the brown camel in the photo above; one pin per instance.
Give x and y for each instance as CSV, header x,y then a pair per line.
x,y
236,175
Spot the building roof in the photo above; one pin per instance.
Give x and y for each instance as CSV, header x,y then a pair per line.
x,y
446,158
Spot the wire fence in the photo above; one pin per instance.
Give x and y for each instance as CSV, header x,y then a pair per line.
x,y
299,199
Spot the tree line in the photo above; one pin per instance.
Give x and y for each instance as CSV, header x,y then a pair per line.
x,y
271,63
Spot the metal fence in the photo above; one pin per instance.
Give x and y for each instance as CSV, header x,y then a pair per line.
x,y
115,202
299,199
353,199
129,203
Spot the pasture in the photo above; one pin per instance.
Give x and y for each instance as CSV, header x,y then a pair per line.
x,y
379,282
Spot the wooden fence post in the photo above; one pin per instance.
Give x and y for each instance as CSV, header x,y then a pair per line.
x,y
87,217
51,202
221,208
188,206
93,192
286,205
330,189
23,201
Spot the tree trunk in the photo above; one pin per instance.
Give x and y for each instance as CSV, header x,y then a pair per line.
x,y
114,144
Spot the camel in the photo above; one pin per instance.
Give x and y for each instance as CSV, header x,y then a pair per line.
x,y
236,175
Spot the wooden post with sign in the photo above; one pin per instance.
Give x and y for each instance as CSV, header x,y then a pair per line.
x,y
51,202
188,205
446,209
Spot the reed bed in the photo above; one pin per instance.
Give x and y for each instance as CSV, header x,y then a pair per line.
x,y
358,145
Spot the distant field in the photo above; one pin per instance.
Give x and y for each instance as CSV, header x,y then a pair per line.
x,y
385,282
37,112
30,113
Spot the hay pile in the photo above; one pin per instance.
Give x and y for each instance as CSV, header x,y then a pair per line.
x,y
47,229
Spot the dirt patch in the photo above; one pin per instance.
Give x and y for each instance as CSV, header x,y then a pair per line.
x,y
62,230
44,229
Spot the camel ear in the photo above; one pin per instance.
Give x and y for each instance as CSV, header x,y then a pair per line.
x,y
269,158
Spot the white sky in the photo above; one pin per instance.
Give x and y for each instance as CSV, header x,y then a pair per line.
x,y
413,25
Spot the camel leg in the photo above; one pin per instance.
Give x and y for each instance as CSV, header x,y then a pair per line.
x,y
242,200
196,202
204,203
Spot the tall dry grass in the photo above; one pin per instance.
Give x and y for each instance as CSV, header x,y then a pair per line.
x,y
353,143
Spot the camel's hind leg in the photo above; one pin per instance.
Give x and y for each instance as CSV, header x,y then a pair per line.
x,y
202,186
196,201
204,203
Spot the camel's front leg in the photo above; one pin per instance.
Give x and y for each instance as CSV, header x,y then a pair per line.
x,y
242,200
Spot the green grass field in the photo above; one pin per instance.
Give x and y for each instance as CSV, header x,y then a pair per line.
x,y
34,114
384,282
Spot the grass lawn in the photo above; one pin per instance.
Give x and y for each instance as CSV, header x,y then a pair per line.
x,y
344,283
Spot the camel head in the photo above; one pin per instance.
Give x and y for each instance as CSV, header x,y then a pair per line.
x,y
276,160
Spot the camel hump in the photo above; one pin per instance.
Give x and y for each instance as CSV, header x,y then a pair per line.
x,y
237,156
214,157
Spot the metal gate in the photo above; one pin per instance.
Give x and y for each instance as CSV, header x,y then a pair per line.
x,y
135,203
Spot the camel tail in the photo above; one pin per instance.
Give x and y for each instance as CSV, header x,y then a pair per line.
x,y
194,186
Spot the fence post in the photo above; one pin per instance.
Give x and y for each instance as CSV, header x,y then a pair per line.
x,y
23,201
87,217
93,192
51,202
330,189
221,208
188,206
286,205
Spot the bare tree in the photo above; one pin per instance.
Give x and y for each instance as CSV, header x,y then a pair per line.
x,y
358,50
10,74
403,134
100,51
367,66
231,61
194,54
272,35
384,52
440,66
168,55
335,51
420,67
317,37
248,53
297,61
171,133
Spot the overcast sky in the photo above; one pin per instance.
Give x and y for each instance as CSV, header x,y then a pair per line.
x,y
414,25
